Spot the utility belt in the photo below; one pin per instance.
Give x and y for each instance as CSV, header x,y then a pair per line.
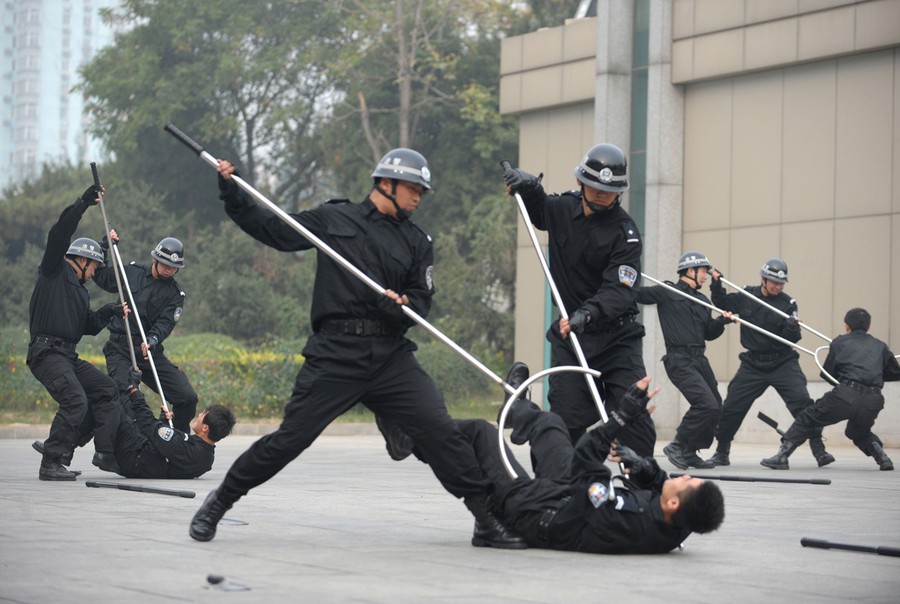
x,y
358,327
860,387
122,339
614,324
697,351
767,357
53,341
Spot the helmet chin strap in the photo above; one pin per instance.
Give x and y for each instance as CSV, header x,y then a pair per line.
x,y
402,214
80,269
694,279
597,208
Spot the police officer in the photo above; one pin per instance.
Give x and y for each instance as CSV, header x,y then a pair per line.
x,y
358,352
686,327
766,362
146,447
572,504
595,262
59,315
160,304
861,364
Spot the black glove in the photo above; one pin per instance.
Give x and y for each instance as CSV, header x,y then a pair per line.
x,y
134,378
393,312
579,319
90,196
152,341
520,181
631,460
113,308
631,406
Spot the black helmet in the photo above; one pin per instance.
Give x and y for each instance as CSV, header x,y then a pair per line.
x,y
604,167
86,248
404,164
170,252
775,269
692,260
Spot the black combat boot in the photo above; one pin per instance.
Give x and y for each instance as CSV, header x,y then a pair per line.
x,y
823,457
489,529
884,462
720,457
205,520
399,444
65,460
106,462
51,469
779,461
683,458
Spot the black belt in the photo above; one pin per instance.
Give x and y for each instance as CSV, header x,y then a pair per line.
x,y
613,324
358,327
697,351
766,357
860,387
53,341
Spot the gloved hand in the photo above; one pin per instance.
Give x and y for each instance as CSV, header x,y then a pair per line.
x,y
578,319
393,312
520,181
631,406
634,463
152,341
113,308
134,378
91,196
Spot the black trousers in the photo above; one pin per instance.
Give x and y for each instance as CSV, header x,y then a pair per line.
x,y
842,403
384,375
618,356
750,382
75,385
694,378
179,394
524,500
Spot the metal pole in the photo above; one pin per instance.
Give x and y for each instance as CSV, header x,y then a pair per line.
x,y
115,266
772,308
748,324
576,345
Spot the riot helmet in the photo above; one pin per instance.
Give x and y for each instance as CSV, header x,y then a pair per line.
x,y
775,269
170,252
86,248
404,164
692,260
604,167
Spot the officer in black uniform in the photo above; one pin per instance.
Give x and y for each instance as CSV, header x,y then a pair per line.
x,y
358,352
686,326
861,364
572,503
766,362
160,304
147,447
595,262
59,315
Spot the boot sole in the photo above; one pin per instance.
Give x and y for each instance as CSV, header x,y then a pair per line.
x,y
204,538
479,542
58,478
824,462
677,464
775,466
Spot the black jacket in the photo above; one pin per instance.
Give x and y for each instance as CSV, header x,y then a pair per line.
x,y
683,323
756,313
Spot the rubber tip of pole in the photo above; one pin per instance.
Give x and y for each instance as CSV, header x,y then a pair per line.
x,y
215,579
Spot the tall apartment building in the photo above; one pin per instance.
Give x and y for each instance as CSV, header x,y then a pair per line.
x,y
43,43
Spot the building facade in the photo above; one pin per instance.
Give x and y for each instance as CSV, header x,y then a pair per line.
x,y
755,129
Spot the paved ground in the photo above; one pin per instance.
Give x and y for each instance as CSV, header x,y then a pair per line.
x,y
344,523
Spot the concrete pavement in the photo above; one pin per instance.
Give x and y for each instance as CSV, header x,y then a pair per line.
x,y
344,523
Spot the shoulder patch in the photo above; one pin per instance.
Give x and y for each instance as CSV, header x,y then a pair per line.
x,y
429,278
178,313
597,493
627,275
165,433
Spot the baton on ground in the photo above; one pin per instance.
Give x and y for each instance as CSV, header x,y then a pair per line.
x,y
137,318
140,489
881,550
772,308
737,319
326,249
727,477
576,345
115,267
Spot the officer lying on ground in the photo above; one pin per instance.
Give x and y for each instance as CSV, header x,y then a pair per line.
x,y
146,447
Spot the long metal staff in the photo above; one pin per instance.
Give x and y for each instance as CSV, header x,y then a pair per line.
x,y
772,308
137,318
326,249
576,345
748,324
115,267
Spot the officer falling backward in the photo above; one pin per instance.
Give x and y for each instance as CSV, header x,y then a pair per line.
x,y
359,352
